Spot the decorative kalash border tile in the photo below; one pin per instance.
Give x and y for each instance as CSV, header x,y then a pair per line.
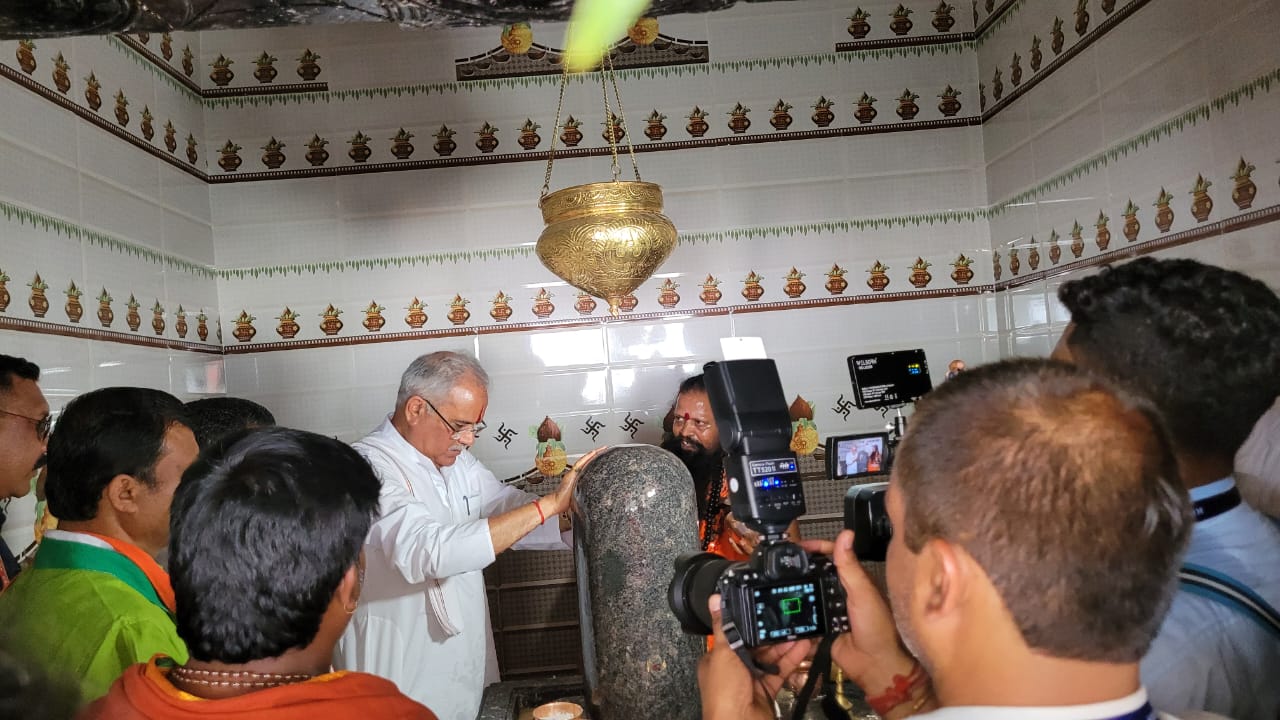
x,y
308,69
1057,39
360,151
1261,216
517,55
58,94
38,305
85,333
246,347
860,25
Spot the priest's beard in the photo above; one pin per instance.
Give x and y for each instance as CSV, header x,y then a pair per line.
x,y
704,464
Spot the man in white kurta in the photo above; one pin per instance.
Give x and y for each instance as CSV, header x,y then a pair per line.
x,y
423,619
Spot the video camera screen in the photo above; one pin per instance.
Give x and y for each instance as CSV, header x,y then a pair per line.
x,y
854,456
788,609
889,378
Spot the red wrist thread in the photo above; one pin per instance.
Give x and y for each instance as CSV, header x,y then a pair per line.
x,y
541,518
899,692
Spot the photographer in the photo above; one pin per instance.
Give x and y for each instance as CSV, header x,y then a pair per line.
x,y
1038,525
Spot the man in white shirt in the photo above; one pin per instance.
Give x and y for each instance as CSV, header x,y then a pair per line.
x,y
1037,527
1203,345
423,619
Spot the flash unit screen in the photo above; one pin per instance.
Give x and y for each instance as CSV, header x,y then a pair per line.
x,y
788,610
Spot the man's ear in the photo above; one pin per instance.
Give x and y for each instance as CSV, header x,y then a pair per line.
x,y
942,579
122,493
348,593
414,407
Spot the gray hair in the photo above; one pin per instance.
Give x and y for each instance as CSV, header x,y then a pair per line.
x,y
433,376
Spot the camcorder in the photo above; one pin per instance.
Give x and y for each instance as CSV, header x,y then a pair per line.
x,y
782,592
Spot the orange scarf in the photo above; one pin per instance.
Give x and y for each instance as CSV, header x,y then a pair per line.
x,y
156,575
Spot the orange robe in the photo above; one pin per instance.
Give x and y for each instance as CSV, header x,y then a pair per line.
x,y
145,693
726,541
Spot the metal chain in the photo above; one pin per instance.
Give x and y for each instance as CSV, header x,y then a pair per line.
x,y
608,121
555,131
635,167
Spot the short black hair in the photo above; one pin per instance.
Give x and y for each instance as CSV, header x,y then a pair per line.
x,y
1064,489
213,418
261,531
1201,342
102,434
11,367
697,383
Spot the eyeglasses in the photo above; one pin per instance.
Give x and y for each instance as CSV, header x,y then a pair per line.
x,y
43,425
472,429
699,425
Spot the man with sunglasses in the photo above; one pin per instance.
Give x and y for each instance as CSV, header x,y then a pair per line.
x,y
423,619
24,432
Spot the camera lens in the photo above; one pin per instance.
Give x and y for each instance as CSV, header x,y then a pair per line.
x,y
693,585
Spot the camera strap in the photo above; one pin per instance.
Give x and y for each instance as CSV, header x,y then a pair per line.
x,y
821,665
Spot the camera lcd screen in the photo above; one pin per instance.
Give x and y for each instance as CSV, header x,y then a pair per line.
x,y
854,456
889,378
788,609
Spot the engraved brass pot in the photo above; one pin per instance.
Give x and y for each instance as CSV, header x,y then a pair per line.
x,y
605,238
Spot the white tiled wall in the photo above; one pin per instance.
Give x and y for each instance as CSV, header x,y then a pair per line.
x,y
1168,57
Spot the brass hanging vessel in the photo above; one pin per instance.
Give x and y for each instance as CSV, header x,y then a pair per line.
x,y
604,238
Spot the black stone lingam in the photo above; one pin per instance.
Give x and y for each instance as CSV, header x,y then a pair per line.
x,y
635,513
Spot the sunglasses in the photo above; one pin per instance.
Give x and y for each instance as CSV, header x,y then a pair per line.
x,y
43,425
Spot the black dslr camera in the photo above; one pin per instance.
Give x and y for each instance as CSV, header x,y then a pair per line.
x,y
782,592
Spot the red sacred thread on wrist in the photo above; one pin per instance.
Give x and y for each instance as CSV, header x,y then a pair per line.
x,y
899,692
541,518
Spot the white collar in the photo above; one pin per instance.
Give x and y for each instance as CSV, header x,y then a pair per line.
x,y
78,537
1217,487
1094,711
391,434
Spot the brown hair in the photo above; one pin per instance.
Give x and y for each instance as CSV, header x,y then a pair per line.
x,y
1064,489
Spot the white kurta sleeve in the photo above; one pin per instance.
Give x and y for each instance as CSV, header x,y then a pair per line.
x,y
500,498
419,544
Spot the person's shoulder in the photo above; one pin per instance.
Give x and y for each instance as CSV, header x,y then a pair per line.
x,y
373,690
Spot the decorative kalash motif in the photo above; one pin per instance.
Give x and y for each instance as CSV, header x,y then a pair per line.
x,y
710,294
1164,213
373,320
550,458
330,323
157,318
38,301
836,284
542,305
288,326
878,278
667,295
244,331
105,313
229,156
920,277
501,310
73,308
794,287
1131,224
1244,191
585,304
1201,203
962,273
133,318
804,433
751,288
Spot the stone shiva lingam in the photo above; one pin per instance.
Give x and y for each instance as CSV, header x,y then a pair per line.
x,y
635,513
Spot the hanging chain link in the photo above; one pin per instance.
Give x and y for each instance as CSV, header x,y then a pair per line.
x,y
622,115
609,117
606,72
555,132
